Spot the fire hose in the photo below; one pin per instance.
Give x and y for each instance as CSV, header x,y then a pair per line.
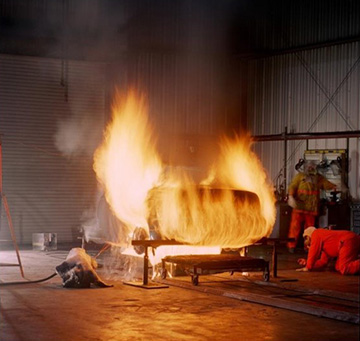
x,y
2,284
29,282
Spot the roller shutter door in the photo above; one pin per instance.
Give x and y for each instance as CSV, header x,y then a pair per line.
x,y
48,132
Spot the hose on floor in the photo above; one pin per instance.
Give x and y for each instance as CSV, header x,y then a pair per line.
x,y
2,284
28,282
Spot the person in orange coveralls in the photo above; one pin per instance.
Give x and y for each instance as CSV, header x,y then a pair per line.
x,y
325,244
304,194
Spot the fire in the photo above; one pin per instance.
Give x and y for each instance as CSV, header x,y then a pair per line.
x,y
232,207
126,163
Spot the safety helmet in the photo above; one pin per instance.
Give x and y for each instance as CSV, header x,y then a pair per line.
x,y
309,231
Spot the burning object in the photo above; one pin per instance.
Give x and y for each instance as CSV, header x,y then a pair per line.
x,y
232,206
198,212
78,270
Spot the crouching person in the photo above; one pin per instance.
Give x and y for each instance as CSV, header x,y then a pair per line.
x,y
324,245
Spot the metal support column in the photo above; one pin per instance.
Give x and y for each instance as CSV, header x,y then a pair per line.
x,y
285,159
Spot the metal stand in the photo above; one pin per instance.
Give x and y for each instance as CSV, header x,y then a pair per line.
x,y
274,242
150,243
196,265
11,227
145,282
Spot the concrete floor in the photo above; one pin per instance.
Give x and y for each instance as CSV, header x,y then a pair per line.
x,y
47,311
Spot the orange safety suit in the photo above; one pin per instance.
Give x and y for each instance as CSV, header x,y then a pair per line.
x,y
327,244
306,193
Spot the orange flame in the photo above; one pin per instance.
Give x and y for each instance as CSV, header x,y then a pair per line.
x,y
232,207
126,163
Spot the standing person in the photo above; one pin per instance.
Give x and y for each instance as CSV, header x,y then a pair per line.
x,y
304,195
325,244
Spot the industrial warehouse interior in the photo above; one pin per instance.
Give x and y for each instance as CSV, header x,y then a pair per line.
x,y
179,170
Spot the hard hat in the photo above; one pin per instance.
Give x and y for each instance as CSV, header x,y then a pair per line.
x,y
309,231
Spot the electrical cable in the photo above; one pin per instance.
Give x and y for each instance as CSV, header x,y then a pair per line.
x,y
28,282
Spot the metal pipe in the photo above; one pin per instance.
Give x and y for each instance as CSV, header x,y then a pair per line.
x,y
285,157
146,267
310,136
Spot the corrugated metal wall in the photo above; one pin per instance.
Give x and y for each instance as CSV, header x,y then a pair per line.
x,y
185,93
311,91
283,24
48,133
189,98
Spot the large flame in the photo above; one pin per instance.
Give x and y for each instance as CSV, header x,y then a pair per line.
x,y
232,207
126,163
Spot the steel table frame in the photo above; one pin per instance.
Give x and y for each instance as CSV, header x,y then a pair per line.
x,y
196,265
274,242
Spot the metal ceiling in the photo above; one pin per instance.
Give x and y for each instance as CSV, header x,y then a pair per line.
x,y
103,29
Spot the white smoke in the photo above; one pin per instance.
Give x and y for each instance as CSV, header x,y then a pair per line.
x,y
100,225
78,136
